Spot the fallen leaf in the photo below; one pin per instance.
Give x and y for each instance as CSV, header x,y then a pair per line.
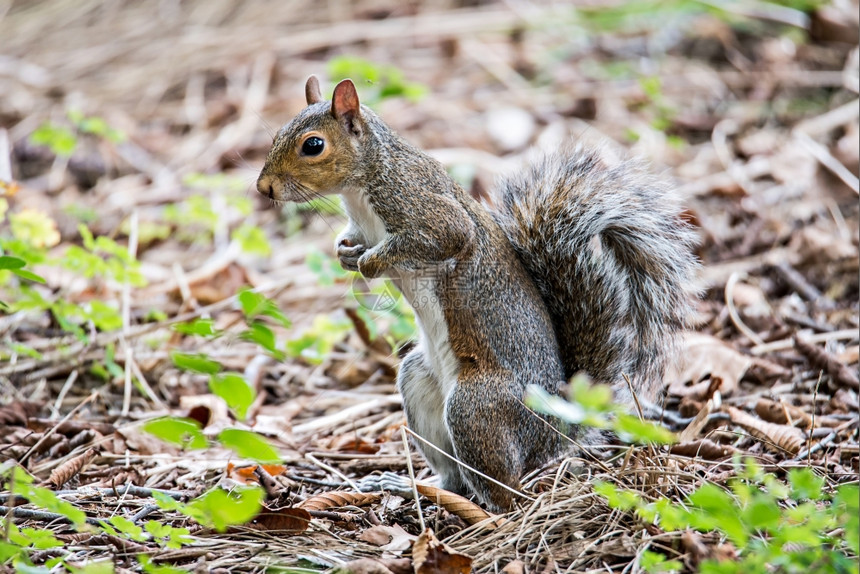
x,y
352,443
66,471
704,448
430,556
787,438
337,499
292,519
391,538
458,505
703,356
780,413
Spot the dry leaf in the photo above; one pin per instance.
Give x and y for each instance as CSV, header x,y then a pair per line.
x,y
66,471
391,538
16,413
430,556
470,512
248,474
350,442
841,374
780,413
291,519
337,499
704,448
704,356
787,438
697,424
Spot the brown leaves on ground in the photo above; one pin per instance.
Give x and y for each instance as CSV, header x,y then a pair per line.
x,y
458,505
430,556
64,473
337,499
702,356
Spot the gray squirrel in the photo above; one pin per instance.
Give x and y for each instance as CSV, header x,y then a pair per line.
x,y
575,267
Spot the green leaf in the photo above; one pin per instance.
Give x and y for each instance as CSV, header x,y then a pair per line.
x,y
151,568
716,509
633,429
763,513
101,567
260,334
250,445
128,528
256,304
167,502
199,327
197,363
7,262
805,484
541,401
179,431
60,140
618,499
252,240
237,393
217,509
591,397
29,275
45,498
847,507
656,562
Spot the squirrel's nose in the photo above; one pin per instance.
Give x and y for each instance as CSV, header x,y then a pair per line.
x,y
264,186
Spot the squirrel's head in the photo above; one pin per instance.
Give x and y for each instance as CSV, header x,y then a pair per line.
x,y
318,150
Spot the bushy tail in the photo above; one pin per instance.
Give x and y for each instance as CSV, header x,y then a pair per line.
x,y
611,258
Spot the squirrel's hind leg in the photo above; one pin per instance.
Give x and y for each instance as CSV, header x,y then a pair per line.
x,y
424,403
494,433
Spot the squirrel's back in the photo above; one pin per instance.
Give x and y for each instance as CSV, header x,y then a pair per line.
x,y
611,258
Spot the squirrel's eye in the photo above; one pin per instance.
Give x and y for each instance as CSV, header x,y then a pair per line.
x,y
313,146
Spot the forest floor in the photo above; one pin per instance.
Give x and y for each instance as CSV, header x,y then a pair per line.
x,y
131,135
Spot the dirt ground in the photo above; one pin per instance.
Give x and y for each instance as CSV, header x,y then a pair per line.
x,y
751,108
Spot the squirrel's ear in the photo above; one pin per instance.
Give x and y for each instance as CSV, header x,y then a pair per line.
x,y
312,91
345,107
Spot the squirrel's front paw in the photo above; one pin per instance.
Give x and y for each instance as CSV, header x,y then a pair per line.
x,y
370,265
348,254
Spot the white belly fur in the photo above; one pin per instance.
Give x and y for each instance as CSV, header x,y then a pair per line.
x,y
419,288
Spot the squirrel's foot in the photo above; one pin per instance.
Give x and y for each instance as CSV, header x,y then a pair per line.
x,y
349,254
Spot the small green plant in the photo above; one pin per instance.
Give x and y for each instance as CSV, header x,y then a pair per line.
x,y
377,82
62,139
776,526
591,405
221,205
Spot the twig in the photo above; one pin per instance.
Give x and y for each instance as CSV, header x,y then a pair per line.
x,y
817,338
70,380
823,155
733,312
18,512
798,282
143,513
412,478
332,470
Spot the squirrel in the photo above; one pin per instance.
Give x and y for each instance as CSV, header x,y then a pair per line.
x,y
574,267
